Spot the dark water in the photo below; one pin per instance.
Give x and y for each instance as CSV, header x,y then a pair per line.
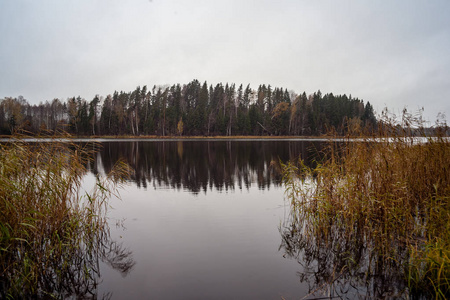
x,y
209,220
201,220
202,166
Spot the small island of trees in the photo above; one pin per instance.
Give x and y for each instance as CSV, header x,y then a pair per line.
x,y
192,109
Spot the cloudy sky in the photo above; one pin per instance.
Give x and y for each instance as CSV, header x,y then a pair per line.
x,y
394,54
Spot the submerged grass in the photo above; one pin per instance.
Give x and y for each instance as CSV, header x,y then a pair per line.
x,y
50,232
384,197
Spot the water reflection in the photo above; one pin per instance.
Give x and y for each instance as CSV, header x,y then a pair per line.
x,y
79,271
68,234
71,271
204,165
336,264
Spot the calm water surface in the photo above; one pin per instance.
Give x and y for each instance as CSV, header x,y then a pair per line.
x,y
201,220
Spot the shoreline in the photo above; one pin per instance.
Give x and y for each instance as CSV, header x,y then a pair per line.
x,y
165,139
5,138
101,139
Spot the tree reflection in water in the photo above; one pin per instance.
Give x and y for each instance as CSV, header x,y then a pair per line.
x,y
201,165
342,265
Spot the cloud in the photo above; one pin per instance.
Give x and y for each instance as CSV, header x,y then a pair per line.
x,y
388,53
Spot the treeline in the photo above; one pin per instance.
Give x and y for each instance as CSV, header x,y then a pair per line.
x,y
192,109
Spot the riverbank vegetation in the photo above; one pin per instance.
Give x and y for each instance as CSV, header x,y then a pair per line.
x,y
52,234
192,109
374,215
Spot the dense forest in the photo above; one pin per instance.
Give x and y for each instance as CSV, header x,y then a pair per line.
x,y
193,109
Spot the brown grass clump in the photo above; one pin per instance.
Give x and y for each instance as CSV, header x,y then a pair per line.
x,y
383,203
51,234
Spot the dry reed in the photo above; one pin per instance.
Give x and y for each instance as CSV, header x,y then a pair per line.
x,y
50,232
389,195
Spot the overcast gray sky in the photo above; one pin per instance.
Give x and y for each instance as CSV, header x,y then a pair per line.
x,y
393,53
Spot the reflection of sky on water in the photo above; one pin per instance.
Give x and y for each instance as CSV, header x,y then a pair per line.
x,y
218,245
193,231
208,220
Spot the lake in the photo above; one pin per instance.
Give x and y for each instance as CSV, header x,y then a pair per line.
x,y
208,219
211,219
201,220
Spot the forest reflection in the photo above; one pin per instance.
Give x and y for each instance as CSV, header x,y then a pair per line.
x,y
199,166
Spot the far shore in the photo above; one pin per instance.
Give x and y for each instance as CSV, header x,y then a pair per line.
x,y
5,138
155,138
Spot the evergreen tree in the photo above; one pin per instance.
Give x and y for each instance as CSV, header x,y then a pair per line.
x,y
93,114
202,110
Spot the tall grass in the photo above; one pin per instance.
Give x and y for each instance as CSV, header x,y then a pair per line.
x,y
51,233
381,203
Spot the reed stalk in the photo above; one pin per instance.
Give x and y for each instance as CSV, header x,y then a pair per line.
x,y
387,195
51,233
